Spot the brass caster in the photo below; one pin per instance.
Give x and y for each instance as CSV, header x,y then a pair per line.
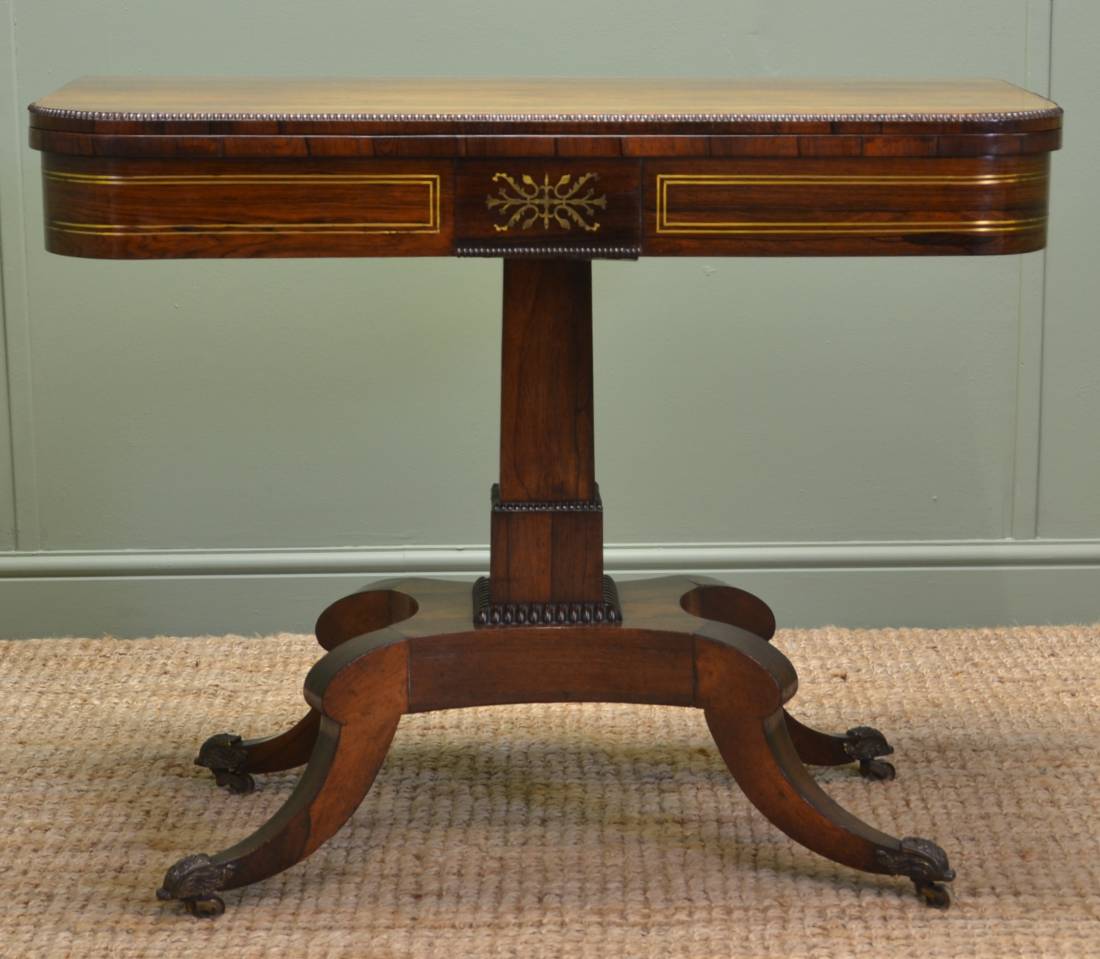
x,y
235,782
925,863
878,770
195,881
209,908
934,894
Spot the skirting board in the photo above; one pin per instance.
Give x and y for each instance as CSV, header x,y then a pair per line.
x,y
190,592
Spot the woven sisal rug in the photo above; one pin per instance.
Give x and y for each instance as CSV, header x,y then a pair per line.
x,y
555,831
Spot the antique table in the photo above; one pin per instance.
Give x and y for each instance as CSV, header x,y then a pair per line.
x,y
547,175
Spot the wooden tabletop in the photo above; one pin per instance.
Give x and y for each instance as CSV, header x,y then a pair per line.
x,y
245,98
155,167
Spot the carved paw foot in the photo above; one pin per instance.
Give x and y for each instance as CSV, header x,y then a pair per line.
x,y
925,863
195,881
865,745
226,757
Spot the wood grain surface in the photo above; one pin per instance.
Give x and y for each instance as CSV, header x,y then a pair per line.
x,y
199,97
547,522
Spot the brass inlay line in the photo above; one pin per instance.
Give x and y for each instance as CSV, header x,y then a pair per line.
x,y
206,229
866,228
318,225
968,179
190,178
430,225
854,227
245,232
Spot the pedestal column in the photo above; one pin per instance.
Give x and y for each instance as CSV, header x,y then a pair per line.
x,y
546,544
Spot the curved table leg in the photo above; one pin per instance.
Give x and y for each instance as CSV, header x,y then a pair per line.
x,y
743,683
233,759
862,744
359,711
741,609
359,690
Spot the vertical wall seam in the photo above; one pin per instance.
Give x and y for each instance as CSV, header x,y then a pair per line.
x,y
1041,359
1023,523
9,29
11,511
17,322
1050,50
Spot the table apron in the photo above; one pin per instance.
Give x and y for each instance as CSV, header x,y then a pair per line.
x,y
574,206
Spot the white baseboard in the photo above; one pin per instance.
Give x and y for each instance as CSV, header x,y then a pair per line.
x,y
678,557
187,592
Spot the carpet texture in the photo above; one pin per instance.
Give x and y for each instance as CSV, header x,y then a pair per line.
x,y
556,831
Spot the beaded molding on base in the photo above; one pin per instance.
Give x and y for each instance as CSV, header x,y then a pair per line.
x,y
594,505
590,613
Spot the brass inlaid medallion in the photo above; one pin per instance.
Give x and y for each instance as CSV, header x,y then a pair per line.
x,y
563,203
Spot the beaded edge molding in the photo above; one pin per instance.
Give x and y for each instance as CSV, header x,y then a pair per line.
x,y
596,252
138,116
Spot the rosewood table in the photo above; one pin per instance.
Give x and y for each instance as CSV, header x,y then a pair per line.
x,y
547,175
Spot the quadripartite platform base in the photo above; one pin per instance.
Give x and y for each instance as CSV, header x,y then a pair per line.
x,y
410,646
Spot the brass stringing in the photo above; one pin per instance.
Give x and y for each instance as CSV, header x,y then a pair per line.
x,y
561,203
853,226
429,224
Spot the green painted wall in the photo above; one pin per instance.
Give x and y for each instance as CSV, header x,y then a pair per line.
x,y
227,445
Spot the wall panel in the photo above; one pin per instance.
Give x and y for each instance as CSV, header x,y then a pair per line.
x,y
341,405
1069,481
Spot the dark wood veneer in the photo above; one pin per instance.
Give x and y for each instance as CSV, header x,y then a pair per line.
x,y
819,206
159,208
346,206
539,554
531,199
417,144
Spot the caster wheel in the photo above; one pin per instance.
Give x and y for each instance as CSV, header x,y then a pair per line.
x,y
239,783
934,895
208,908
877,769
